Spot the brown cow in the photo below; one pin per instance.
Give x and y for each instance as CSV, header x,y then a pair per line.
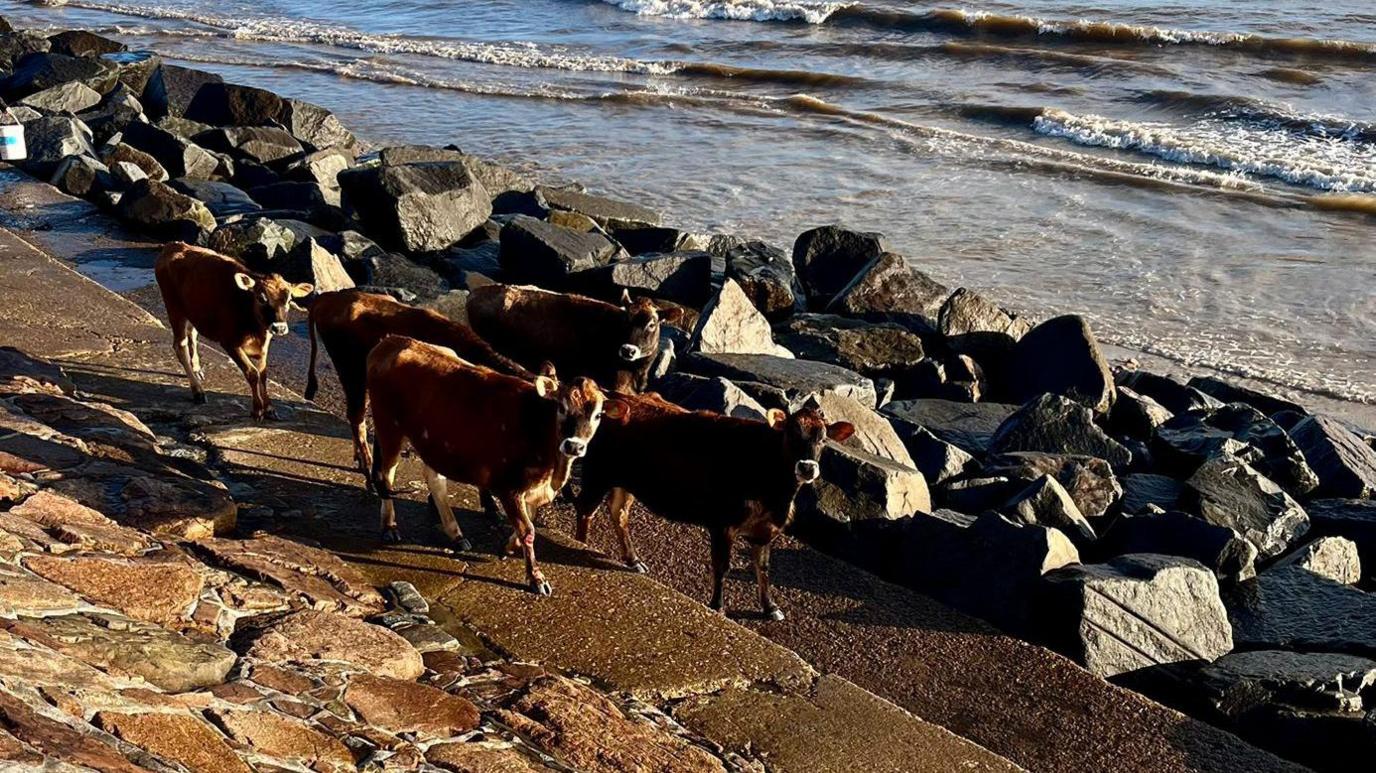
x,y
217,296
515,438
351,322
735,477
613,345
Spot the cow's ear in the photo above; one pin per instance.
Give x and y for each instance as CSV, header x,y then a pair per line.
x,y
302,290
673,315
547,369
244,281
546,386
616,410
840,431
776,418
625,298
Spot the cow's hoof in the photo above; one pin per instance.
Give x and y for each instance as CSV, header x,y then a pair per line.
x,y
637,566
774,613
540,587
391,535
198,398
463,545
271,415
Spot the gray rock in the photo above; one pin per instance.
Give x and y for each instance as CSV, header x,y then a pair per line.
x,y
1333,557
406,597
1144,490
730,324
83,43
122,152
766,275
681,277
395,271
966,312
134,69
171,88
69,98
256,241
308,261
607,213
397,155
877,350
826,259
889,289
937,460
1175,533
1238,431
1137,416
321,168
81,176
719,395
113,114
546,254
856,485
1176,397
222,199
1046,502
181,126
796,378
228,104
1230,493
126,174
51,139
1292,608
161,210
500,181
977,493
647,239
180,157
1354,519
1137,611
1346,466
315,126
1244,681
37,72
263,144
986,566
1235,393
1058,425
969,426
872,433
1088,481
312,199
15,45
1061,356
418,207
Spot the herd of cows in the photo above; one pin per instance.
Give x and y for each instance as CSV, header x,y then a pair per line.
x,y
539,381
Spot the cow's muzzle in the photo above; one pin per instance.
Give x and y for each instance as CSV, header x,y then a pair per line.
x,y
807,471
631,352
280,329
574,447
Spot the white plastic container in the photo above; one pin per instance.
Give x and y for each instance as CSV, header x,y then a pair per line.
x,y
12,146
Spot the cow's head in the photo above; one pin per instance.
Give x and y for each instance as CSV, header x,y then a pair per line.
x,y
640,345
580,405
805,432
272,297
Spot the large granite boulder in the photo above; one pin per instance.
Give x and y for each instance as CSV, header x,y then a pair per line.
x,y
1061,356
1136,416
1144,490
123,152
1088,481
418,207
159,209
69,98
968,426
82,176
227,104
1354,519
766,275
796,379
262,144
828,258
1333,557
1058,425
966,312
178,156
1173,395
315,126
607,213
730,324
1346,466
171,88
37,72
1290,607
17,44
888,289
1227,492
546,254
1137,611
1227,392
1174,533
222,199
681,277
877,350
699,393
1238,431
83,43
1045,501
51,139
310,262
937,460
257,241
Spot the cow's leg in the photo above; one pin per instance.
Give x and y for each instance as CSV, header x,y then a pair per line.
x,y
585,507
621,514
183,335
518,512
196,357
721,563
439,498
490,504
269,412
250,371
386,457
760,557
353,381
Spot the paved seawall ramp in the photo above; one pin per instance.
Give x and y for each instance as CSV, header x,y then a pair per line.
x,y
783,695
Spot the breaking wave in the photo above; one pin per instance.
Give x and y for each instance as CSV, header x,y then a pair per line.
x,y
735,10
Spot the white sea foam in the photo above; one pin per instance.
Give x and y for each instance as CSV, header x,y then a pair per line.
x,y
284,30
737,10
1324,163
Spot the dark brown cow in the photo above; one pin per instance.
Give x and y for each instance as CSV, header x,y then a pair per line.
x,y
734,477
209,294
613,345
515,438
351,322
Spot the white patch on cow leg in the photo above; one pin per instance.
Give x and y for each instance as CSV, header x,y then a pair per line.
x,y
389,515
196,358
439,494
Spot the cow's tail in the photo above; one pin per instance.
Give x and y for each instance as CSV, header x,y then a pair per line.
x,y
312,383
